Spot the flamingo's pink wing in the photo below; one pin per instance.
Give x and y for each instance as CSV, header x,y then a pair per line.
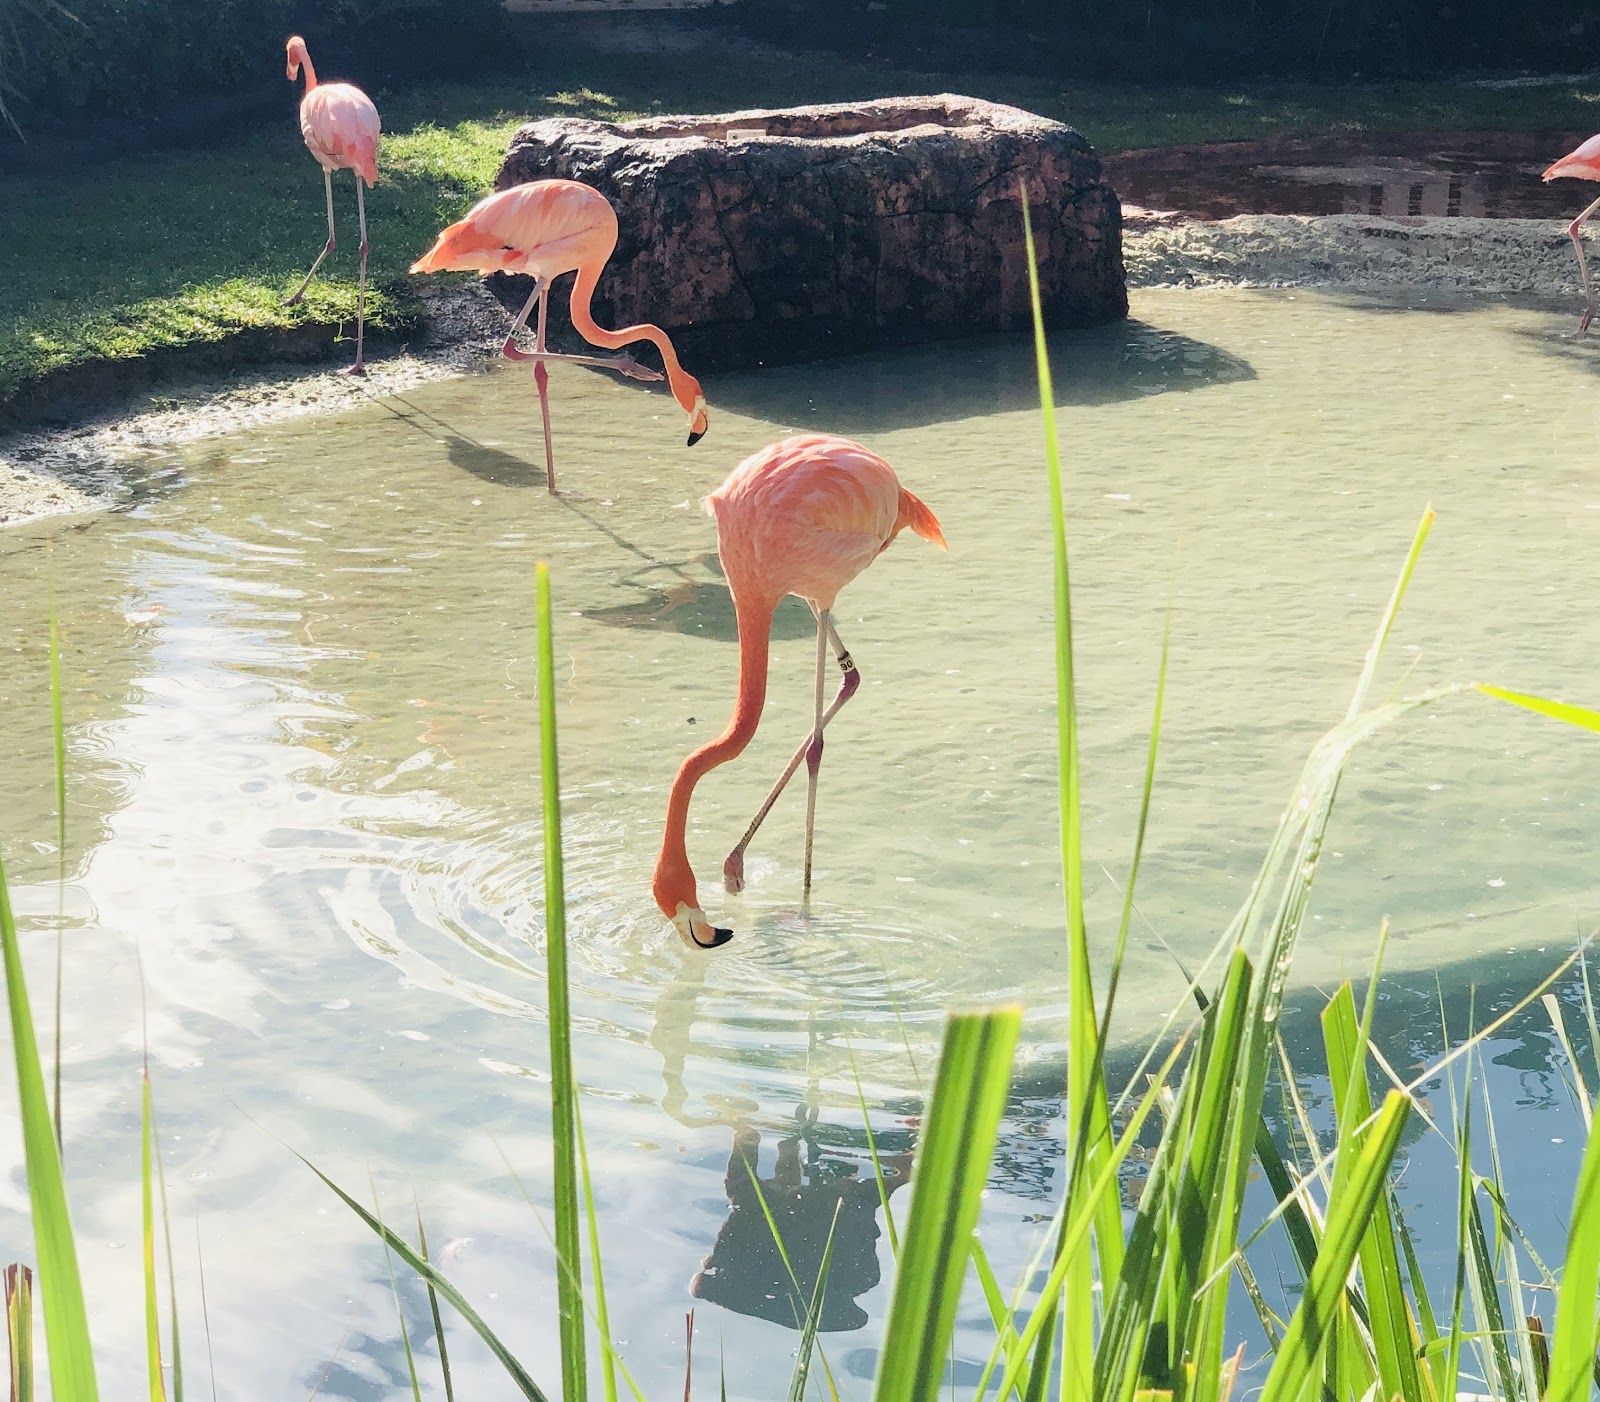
x,y
541,228
341,126
1582,164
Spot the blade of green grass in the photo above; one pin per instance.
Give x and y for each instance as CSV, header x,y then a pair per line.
x,y
808,1334
872,1150
58,736
433,1306
1294,1368
616,1358
172,1269
563,1090
1580,716
19,1330
66,1324
1076,1229
608,1367
1087,1115
152,1317
958,1139
1580,1091
1001,1312
394,1291
402,1248
205,1310
1573,1349
1394,1346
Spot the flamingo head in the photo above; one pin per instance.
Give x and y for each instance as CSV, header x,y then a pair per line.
x,y
297,56
696,931
674,890
686,390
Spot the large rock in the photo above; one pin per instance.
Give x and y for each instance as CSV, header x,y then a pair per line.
x,y
841,228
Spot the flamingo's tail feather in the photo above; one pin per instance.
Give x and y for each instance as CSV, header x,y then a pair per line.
x,y
917,516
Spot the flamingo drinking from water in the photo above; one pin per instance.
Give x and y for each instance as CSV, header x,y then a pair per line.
x,y
1582,164
804,516
340,125
547,228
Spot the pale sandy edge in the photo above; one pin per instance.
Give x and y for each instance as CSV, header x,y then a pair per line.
x,y
89,466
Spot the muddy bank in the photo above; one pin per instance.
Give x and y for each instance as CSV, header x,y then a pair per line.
x,y
91,464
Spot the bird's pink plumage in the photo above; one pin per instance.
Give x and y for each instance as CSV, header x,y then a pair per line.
x,y
341,126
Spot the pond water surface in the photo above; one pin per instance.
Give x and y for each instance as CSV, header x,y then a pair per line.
x,y
304,794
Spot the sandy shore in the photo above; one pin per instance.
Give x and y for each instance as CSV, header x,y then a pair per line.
x,y
88,466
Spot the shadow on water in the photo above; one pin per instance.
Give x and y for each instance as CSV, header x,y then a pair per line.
x,y
695,600
948,381
821,1206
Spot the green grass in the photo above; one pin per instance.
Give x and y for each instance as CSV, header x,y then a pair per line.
x,y
117,259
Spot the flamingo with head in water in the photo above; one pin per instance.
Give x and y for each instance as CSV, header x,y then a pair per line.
x,y
340,126
804,516
547,228
1581,164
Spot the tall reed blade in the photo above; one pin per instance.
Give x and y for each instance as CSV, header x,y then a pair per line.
x,y
58,735
963,1119
1295,1367
430,1273
1572,1353
438,1319
152,1317
19,1330
563,1091
1088,1119
66,1324
172,1271
1393,1336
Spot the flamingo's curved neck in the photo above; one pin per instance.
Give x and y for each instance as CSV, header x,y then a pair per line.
x,y
755,630
584,324
308,70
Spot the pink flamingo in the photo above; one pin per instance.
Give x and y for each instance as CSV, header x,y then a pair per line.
x,y
547,228
1582,164
340,126
804,516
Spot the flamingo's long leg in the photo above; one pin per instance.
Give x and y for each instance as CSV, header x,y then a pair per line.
x,y
360,367
327,248
509,350
541,377
1575,232
622,364
849,681
814,749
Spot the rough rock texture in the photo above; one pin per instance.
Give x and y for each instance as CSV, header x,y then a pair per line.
x,y
842,228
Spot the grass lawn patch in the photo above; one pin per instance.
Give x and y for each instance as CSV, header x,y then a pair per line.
x,y
117,259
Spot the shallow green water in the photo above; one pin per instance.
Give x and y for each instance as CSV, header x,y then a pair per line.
x,y
304,791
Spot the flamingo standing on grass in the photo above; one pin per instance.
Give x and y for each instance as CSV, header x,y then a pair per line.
x,y
803,516
340,125
1582,164
547,228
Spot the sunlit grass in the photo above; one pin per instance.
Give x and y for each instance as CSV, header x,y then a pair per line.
x,y
115,259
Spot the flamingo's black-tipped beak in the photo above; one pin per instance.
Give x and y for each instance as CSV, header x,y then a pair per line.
x,y
719,937
696,437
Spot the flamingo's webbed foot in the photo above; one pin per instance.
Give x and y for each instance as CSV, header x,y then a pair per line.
x,y
623,365
733,873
